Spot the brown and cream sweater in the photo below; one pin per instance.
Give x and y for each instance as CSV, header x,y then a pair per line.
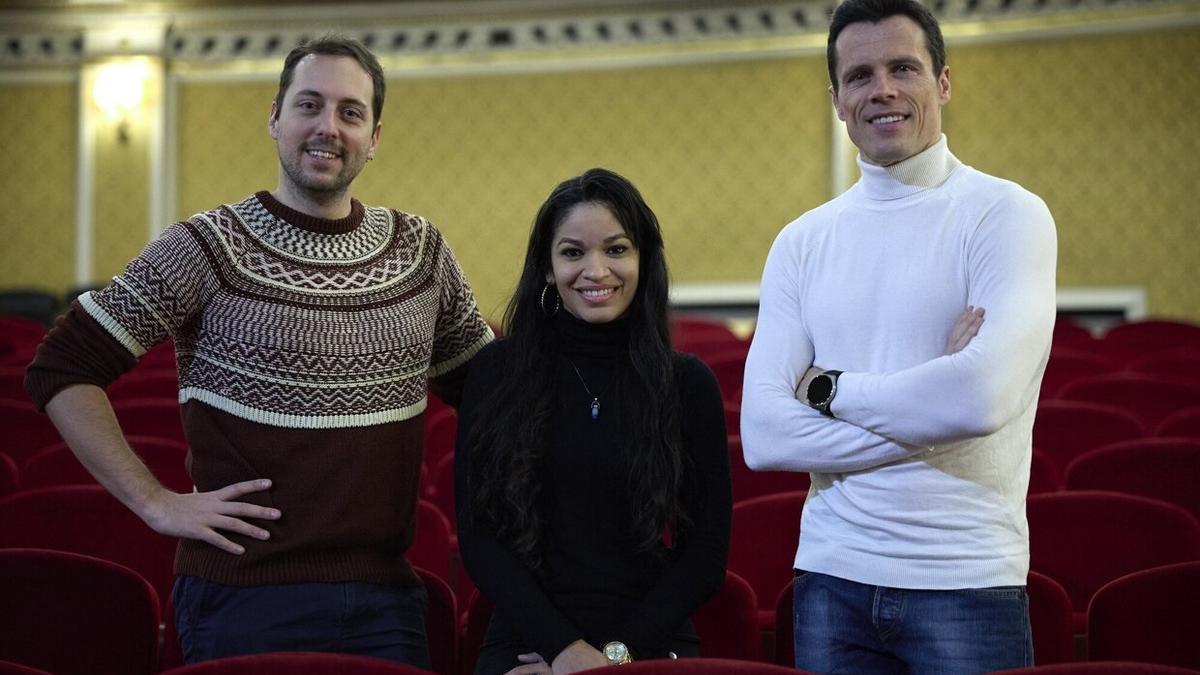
x,y
304,348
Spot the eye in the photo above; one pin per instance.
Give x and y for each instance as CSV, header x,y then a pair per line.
x,y
353,113
570,252
307,104
617,249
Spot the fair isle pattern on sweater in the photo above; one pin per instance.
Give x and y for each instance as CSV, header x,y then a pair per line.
x,y
291,327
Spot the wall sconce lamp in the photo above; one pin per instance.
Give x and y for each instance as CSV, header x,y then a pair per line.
x,y
118,91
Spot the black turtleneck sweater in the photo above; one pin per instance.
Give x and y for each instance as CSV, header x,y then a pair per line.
x,y
592,584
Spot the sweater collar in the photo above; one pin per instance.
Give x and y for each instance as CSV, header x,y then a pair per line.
x,y
924,170
577,337
312,223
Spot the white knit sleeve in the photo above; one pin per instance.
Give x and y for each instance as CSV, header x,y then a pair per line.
x,y
1010,262
778,431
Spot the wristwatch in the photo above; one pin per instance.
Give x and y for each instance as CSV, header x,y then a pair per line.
x,y
821,391
617,653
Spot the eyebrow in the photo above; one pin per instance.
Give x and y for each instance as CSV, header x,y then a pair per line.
x,y
607,240
316,94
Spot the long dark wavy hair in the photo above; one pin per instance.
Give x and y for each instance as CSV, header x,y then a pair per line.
x,y
510,439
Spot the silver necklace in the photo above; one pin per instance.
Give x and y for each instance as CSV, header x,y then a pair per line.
x,y
595,404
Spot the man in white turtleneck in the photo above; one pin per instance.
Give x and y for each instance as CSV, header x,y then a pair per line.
x,y
874,369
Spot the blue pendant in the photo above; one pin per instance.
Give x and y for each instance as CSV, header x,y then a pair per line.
x,y
595,408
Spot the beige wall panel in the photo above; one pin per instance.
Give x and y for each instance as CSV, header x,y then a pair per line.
x,y
121,202
37,225
1105,129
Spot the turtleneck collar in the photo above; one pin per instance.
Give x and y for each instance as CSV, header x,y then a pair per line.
x,y
924,170
312,223
577,337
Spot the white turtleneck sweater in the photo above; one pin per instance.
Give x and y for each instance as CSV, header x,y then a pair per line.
x,y
920,479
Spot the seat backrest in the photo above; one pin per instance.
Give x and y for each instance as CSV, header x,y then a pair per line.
x,y
1067,365
703,666
441,492
57,465
729,367
151,383
1148,616
297,663
748,484
1098,668
728,623
73,615
762,546
1149,396
10,476
1167,469
1065,430
689,328
150,417
441,434
1051,620
785,639
1184,423
431,547
1177,363
24,431
86,519
1085,539
12,384
441,623
1044,473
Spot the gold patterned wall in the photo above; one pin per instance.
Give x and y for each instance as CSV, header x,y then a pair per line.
x,y
37,224
121,219
1105,129
724,153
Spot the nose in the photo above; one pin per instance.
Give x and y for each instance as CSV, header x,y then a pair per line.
x,y
883,88
596,267
327,123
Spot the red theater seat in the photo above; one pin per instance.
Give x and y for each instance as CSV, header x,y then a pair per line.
x,y
1148,616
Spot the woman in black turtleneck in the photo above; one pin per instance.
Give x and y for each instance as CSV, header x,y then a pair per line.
x,y
592,471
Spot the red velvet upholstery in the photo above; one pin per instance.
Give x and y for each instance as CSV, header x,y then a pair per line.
x,y
785,626
441,433
10,668
1127,342
12,384
696,667
431,543
749,484
86,519
705,347
441,624
21,330
1183,363
57,465
1083,540
1065,430
1044,473
729,366
441,489
1067,365
150,417
1167,469
297,663
1069,334
10,476
1051,620
154,383
1151,397
1098,668
733,418
479,615
1185,423
24,431
690,328
762,547
728,623
72,614
1148,616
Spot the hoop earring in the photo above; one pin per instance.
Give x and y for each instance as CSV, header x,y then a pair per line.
x,y
557,301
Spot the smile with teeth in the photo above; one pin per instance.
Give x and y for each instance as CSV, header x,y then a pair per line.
x,y
887,119
596,294
320,154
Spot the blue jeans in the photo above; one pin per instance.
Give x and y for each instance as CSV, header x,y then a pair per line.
x,y
846,627
215,621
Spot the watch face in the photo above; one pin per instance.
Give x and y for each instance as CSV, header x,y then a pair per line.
x,y
820,389
615,651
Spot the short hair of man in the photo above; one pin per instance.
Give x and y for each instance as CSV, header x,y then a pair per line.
x,y
874,11
333,44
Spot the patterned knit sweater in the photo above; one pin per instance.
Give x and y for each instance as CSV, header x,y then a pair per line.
x,y
304,349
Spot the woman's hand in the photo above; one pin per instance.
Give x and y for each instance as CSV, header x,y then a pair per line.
x,y
531,664
578,656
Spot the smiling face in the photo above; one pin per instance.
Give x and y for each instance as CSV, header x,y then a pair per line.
x,y
887,94
594,264
324,132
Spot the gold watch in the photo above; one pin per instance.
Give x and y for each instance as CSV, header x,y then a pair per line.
x,y
617,653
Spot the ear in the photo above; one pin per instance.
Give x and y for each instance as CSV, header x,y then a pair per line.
x,y
550,277
374,141
837,106
273,122
944,86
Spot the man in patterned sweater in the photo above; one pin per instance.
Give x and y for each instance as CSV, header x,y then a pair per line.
x,y
306,327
